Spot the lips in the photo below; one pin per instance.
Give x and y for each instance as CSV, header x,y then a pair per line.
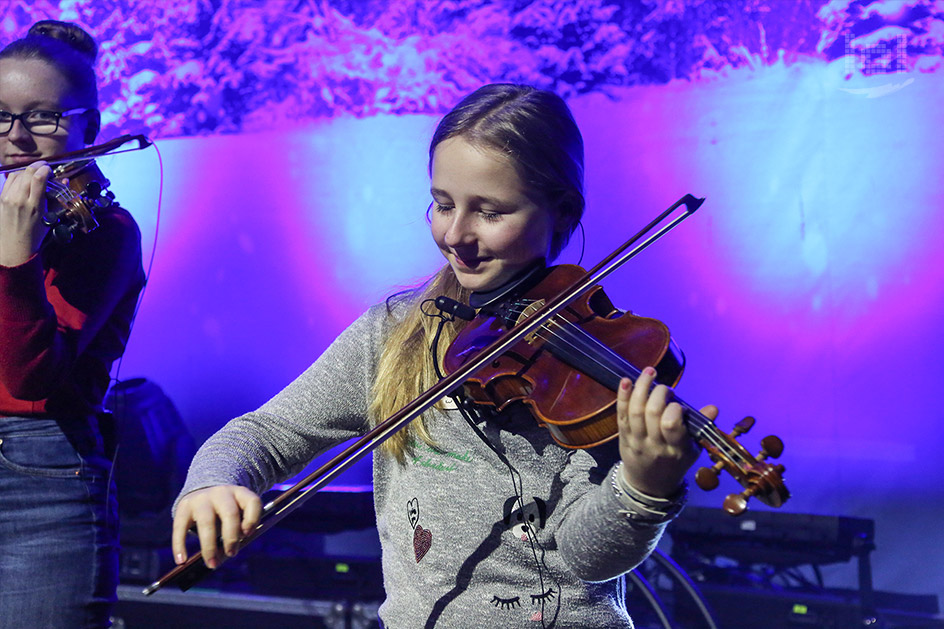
x,y
20,159
469,263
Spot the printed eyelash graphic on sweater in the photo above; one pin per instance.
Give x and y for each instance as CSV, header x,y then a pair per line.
x,y
506,603
541,598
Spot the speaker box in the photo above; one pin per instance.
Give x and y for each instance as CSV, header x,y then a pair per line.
x,y
219,610
754,608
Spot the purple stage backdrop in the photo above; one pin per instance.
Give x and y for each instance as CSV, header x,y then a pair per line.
x,y
808,291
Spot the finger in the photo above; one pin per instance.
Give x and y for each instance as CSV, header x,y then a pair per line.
x,y
252,510
623,393
230,516
37,189
710,411
638,400
672,424
40,169
205,517
659,398
41,174
182,522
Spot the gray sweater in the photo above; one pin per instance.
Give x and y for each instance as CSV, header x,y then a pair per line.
x,y
461,546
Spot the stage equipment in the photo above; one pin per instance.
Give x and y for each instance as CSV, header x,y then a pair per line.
x,y
762,571
153,449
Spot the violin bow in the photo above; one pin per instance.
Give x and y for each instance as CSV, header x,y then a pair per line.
x,y
91,152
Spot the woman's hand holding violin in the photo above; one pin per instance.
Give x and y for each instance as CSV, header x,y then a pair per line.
x,y
655,446
224,512
22,206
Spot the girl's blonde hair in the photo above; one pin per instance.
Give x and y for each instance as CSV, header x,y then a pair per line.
x,y
406,368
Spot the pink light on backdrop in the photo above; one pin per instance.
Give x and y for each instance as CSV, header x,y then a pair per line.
x,y
270,244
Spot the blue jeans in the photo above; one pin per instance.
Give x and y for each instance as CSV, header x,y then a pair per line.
x,y
58,526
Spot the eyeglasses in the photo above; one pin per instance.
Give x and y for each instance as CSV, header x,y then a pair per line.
x,y
37,122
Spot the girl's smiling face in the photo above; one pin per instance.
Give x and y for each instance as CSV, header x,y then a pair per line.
x,y
486,222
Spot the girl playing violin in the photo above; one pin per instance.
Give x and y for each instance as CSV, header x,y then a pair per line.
x,y
485,522
65,316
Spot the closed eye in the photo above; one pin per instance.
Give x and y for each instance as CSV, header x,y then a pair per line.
x,y
442,208
506,603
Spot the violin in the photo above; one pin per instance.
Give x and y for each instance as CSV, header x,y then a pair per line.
x,y
568,370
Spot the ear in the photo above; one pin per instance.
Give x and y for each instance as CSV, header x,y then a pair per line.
x,y
93,124
562,223
564,215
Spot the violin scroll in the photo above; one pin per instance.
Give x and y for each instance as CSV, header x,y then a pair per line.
x,y
759,478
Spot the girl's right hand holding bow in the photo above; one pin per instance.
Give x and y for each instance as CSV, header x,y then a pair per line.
x,y
224,513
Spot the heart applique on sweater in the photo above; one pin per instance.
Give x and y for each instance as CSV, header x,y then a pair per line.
x,y
422,540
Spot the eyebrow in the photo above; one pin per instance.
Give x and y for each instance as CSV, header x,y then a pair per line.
x,y
36,105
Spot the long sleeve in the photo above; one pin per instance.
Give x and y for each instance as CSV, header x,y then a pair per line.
x,y
65,316
325,405
598,541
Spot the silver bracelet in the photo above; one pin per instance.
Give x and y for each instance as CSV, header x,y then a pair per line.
x,y
642,507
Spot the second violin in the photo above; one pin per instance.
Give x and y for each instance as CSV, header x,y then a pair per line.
x,y
78,187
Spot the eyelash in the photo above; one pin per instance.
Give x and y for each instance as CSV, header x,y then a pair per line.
x,y
487,216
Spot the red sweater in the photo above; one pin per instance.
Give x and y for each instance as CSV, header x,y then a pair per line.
x,y
65,316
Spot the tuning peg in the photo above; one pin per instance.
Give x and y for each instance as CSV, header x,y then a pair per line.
x,y
743,426
736,504
771,446
707,477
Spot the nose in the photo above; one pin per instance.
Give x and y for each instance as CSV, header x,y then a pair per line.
x,y
19,133
461,231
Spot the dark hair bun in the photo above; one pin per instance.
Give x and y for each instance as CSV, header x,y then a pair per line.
x,y
71,34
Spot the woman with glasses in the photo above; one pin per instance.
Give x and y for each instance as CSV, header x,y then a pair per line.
x,y
65,316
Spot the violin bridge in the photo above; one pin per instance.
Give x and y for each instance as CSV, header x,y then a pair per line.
x,y
529,310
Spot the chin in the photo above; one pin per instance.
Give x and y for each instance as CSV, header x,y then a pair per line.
x,y
474,282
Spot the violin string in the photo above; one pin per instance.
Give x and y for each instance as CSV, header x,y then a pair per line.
x,y
585,345
566,334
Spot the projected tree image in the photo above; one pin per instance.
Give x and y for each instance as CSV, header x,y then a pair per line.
x,y
196,68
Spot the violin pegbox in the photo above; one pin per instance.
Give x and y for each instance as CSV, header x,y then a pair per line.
x,y
759,478
79,189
